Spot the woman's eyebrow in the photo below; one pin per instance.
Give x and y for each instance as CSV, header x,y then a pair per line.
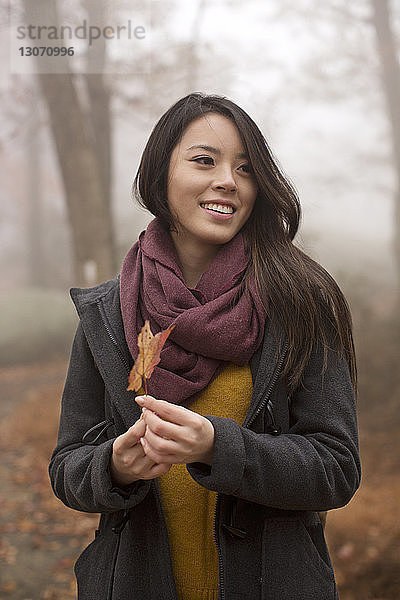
x,y
215,150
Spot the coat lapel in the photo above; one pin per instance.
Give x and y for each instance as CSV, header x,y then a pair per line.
x,y
263,365
102,323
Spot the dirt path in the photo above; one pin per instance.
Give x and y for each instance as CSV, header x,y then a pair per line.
x,y
16,383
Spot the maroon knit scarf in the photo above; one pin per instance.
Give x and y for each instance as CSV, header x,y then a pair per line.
x,y
212,325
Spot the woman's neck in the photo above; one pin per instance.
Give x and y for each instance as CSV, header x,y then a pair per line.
x,y
194,258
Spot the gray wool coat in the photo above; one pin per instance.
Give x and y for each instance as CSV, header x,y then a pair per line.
x,y
273,474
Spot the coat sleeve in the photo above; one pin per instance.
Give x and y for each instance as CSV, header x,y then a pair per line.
x,y
79,473
315,466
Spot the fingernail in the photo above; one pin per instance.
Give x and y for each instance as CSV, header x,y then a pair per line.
x,y
143,409
139,399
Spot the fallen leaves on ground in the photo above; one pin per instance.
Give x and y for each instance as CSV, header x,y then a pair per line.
x,y
40,537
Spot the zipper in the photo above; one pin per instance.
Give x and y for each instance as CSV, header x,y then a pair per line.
x,y
159,501
119,527
220,562
116,552
266,400
275,431
110,332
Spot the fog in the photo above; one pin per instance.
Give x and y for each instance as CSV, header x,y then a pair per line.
x,y
309,78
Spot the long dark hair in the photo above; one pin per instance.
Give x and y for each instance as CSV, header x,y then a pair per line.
x,y
299,295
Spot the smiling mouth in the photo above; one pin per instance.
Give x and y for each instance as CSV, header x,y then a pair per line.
x,y
219,208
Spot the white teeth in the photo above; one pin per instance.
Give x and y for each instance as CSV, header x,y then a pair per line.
x,y
218,207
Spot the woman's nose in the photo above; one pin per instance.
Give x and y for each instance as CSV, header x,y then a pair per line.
x,y
224,180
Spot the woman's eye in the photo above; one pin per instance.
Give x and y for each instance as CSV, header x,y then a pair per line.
x,y
207,160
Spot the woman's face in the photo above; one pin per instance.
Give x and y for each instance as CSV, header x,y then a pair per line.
x,y
211,191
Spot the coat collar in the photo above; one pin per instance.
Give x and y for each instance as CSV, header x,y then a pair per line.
x,y
100,314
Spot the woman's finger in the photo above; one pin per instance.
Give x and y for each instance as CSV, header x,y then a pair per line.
x,y
160,427
132,436
160,444
166,410
159,469
158,457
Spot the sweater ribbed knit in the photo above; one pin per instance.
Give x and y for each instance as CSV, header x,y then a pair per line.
x,y
189,507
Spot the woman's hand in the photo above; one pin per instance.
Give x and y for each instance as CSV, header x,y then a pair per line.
x,y
129,462
175,434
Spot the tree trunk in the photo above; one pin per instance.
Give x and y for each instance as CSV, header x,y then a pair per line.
x,y
390,70
99,98
192,63
34,222
88,202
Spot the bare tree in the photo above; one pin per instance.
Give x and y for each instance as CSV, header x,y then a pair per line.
x,y
85,175
99,99
390,71
355,25
192,61
34,221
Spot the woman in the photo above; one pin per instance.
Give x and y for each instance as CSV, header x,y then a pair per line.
x,y
211,486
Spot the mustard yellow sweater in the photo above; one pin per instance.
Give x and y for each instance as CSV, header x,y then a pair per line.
x,y
189,508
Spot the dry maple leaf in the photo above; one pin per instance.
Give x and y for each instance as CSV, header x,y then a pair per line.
x,y
150,347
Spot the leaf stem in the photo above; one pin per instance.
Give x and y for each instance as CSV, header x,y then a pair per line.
x,y
145,385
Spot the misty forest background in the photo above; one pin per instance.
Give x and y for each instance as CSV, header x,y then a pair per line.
x,y
322,80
